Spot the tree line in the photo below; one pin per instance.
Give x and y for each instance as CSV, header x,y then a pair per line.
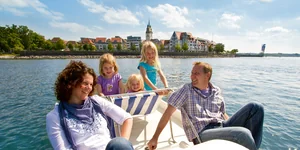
x,y
14,39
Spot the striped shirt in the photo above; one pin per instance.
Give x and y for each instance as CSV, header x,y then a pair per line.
x,y
201,110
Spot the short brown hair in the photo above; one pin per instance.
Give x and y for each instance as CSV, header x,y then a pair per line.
x,y
71,77
107,58
205,66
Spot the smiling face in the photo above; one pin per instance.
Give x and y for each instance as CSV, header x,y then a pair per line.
x,y
108,70
150,55
81,91
135,86
198,77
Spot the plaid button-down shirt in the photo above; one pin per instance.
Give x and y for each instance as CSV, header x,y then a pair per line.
x,y
201,110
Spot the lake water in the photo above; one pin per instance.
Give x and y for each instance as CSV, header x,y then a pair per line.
x,y
26,89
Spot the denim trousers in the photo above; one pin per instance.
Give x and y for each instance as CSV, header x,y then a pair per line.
x,y
245,127
119,143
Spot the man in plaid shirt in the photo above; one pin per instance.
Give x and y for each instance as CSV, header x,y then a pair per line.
x,y
204,107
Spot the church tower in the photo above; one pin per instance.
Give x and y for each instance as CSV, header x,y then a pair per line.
x,y
149,32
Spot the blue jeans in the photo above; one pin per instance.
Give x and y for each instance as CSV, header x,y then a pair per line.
x,y
244,127
119,143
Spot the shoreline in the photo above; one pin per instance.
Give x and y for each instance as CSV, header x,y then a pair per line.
x,y
98,56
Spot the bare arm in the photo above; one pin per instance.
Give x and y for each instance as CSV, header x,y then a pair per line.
x,y
163,78
126,128
226,116
99,90
146,79
121,86
152,144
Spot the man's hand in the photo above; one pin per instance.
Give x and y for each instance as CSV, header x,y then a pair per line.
x,y
152,144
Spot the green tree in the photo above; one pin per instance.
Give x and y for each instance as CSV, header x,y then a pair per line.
x,y
71,47
162,47
140,46
24,34
90,48
110,46
36,41
48,45
185,46
60,44
85,47
14,42
210,48
93,47
3,39
177,47
234,51
219,48
132,47
157,47
119,47
79,47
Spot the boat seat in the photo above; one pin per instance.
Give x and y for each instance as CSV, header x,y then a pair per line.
x,y
140,103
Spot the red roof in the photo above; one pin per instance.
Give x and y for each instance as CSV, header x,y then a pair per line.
x,y
86,41
55,39
71,42
119,40
102,39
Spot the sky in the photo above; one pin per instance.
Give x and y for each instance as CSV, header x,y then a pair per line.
x,y
238,24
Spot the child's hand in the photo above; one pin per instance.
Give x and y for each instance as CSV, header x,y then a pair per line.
x,y
163,92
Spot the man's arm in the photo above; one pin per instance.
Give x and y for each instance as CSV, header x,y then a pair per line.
x,y
152,144
226,116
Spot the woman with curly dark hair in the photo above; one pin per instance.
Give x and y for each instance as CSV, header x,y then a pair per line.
x,y
80,120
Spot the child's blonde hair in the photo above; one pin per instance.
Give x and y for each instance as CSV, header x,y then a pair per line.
x,y
146,45
107,58
132,78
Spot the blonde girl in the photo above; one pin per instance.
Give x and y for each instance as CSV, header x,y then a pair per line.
x,y
149,66
135,83
109,82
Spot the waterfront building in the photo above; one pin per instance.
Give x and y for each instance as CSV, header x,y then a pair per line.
x,y
133,40
194,44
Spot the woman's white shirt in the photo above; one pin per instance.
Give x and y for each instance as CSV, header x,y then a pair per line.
x,y
95,136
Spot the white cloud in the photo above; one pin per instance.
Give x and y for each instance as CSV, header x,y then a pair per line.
x,y
14,3
162,35
229,21
139,14
198,20
71,26
120,17
98,27
14,7
277,29
298,18
266,1
171,16
15,11
111,15
257,1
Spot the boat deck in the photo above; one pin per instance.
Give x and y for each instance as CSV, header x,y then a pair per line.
x,y
145,126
